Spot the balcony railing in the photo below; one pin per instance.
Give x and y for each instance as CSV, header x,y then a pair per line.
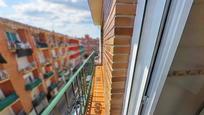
x,y
8,101
24,52
39,99
82,50
15,45
46,62
73,97
21,112
41,44
60,73
52,86
48,74
32,85
60,84
75,55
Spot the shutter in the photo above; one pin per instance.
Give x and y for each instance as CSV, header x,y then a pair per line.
x,y
9,36
14,38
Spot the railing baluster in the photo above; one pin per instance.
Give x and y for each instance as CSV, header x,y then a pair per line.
x,y
77,80
66,100
79,92
75,95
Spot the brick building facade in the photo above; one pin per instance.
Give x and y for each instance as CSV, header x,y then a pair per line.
x,y
35,64
90,44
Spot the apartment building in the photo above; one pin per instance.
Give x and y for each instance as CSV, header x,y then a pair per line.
x,y
90,44
34,66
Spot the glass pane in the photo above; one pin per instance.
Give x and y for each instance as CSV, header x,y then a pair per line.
x,y
183,91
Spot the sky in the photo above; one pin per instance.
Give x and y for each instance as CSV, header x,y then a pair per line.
x,y
70,17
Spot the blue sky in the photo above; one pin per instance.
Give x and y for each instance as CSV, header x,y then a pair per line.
x,y
71,17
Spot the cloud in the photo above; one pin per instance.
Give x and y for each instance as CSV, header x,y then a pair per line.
x,y
52,10
82,29
2,3
70,17
38,13
79,4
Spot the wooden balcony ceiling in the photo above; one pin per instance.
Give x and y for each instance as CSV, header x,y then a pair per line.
x,y
96,11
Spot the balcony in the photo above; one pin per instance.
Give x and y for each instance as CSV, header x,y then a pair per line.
x,y
24,52
55,58
22,49
73,41
32,85
97,99
48,74
30,68
60,84
60,73
41,45
39,99
75,55
82,50
21,112
60,44
15,45
7,101
79,101
45,63
67,74
52,86
74,48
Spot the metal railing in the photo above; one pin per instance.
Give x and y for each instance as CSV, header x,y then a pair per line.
x,y
73,97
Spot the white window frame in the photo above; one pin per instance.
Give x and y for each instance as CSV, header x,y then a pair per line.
x,y
134,50
177,18
143,53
